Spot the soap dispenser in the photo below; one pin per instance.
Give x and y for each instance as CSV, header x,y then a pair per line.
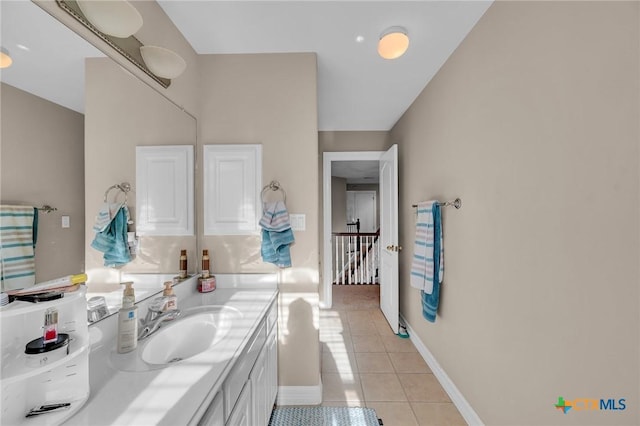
x,y
127,339
171,300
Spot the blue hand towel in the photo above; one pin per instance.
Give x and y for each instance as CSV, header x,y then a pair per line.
x,y
275,247
112,241
18,233
430,301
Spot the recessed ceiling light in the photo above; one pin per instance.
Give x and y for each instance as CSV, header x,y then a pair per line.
x,y
393,43
359,39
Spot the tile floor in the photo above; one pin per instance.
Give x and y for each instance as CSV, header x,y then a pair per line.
x,y
365,365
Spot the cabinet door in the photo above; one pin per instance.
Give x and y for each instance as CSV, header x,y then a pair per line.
x,y
164,190
232,180
241,414
259,382
272,369
214,416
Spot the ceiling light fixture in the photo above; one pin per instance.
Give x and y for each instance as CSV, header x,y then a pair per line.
x,y
5,58
163,62
393,43
117,18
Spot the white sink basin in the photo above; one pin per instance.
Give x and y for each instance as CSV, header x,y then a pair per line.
x,y
196,331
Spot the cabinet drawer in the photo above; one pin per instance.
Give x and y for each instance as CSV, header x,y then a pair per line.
x,y
240,373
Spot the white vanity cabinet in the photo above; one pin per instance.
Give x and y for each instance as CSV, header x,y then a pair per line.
x,y
249,391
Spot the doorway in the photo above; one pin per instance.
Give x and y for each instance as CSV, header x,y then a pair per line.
x,y
388,220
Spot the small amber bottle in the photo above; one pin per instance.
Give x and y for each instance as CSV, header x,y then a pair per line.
x,y
183,264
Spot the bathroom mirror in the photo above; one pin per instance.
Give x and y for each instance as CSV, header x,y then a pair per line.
x,y
67,153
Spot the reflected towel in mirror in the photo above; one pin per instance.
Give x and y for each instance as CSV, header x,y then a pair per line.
x,y
18,233
112,241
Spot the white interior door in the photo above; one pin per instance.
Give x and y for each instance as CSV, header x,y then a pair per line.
x,y
388,273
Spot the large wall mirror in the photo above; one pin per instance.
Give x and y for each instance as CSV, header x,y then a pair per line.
x,y
71,119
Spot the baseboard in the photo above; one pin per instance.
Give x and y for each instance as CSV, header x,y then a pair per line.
x,y
463,406
299,395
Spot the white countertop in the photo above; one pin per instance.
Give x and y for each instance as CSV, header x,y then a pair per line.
x,y
171,395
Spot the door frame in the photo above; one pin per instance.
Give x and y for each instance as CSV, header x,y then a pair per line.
x,y
327,158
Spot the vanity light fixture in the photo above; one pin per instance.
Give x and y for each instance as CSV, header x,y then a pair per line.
x,y
5,58
116,18
394,41
163,62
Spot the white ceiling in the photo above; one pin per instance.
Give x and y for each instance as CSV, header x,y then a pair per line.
x,y
357,90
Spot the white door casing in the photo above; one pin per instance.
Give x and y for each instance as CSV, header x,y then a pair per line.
x,y
389,247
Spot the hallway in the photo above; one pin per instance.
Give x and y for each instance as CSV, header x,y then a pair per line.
x,y
364,364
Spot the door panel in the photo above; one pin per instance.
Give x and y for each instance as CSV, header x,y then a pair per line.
x,y
389,293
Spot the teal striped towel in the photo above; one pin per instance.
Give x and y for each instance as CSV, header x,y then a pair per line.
x,y
18,233
423,264
277,235
430,301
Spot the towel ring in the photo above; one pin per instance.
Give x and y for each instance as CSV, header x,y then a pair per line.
x,y
274,185
125,187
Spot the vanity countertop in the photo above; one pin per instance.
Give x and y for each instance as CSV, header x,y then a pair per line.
x,y
171,395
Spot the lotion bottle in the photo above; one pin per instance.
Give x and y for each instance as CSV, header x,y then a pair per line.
x,y
171,300
127,339
206,282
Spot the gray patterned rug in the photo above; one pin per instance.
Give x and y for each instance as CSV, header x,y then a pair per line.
x,y
323,416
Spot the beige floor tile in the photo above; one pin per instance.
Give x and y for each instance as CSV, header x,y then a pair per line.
x,y
367,343
336,343
339,387
383,328
359,315
437,414
362,326
343,404
382,387
423,388
394,413
397,344
339,362
373,362
408,362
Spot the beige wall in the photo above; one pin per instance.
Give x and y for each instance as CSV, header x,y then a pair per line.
x,y
352,141
42,156
533,122
272,100
122,113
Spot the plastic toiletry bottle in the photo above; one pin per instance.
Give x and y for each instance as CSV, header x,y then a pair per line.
x,y
127,339
183,264
206,282
171,300
50,333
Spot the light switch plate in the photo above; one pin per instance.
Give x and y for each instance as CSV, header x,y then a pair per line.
x,y
65,222
298,222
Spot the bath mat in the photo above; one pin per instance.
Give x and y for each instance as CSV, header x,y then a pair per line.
x,y
323,416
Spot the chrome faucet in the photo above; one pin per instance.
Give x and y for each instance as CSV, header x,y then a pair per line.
x,y
155,318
